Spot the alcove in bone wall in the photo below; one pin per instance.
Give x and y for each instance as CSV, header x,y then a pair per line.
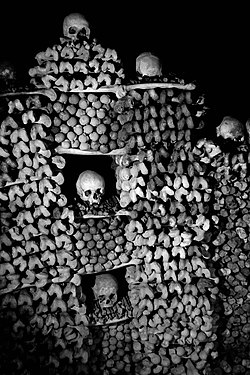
x,y
76,164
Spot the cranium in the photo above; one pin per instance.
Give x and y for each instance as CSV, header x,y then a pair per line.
x,y
73,24
148,65
90,187
105,290
7,74
230,128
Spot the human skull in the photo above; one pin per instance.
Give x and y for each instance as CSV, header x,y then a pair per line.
x,y
148,65
105,290
73,24
7,74
90,187
230,128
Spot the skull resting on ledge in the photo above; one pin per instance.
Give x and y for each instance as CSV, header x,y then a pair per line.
x,y
73,24
90,187
105,290
230,128
8,74
148,65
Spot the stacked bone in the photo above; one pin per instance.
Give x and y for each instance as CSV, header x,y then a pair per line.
x,y
77,55
44,330
36,248
229,169
158,116
86,122
100,244
79,63
172,290
116,350
30,191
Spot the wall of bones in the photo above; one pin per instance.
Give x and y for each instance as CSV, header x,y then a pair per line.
x,y
124,235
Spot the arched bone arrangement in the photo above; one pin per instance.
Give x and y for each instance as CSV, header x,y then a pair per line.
x,y
140,288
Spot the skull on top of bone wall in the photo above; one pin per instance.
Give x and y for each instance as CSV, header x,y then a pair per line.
x,y
105,290
230,128
90,187
73,24
8,75
148,65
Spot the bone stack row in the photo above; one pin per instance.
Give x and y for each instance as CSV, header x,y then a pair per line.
x,y
85,65
187,241
84,121
31,195
53,248
167,193
39,320
159,116
115,348
230,248
158,127
101,244
43,247
38,314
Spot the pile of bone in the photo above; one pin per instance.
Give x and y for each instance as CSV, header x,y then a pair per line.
x,y
231,246
110,350
86,121
100,244
158,115
31,182
171,243
171,331
79,62
43,327
168,192
144,178
170,311
172,188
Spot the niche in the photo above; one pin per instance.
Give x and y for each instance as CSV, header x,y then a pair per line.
x,y
76,164
106,305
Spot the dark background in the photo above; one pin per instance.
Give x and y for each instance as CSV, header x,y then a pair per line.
x,y
206,42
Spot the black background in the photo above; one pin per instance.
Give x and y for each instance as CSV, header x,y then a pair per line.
x,y
207,42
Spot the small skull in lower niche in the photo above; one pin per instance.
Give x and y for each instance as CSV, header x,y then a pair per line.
x,y
105,290
230,128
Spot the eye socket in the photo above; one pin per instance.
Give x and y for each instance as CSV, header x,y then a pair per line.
x,y
101,298
87,193
72,30
97,194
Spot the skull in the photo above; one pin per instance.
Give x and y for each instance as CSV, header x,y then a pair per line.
x,y
105,290
73,24
148,65
7,74
90,187
230,128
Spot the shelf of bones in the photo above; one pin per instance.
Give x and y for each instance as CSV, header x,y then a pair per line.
x,y
113,217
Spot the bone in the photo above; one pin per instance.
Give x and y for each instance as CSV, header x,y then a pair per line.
x,y
90,187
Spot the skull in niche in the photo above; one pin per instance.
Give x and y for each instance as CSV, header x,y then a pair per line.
x,y
73,24
148,65
230,128
7,74
105,290
90,187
